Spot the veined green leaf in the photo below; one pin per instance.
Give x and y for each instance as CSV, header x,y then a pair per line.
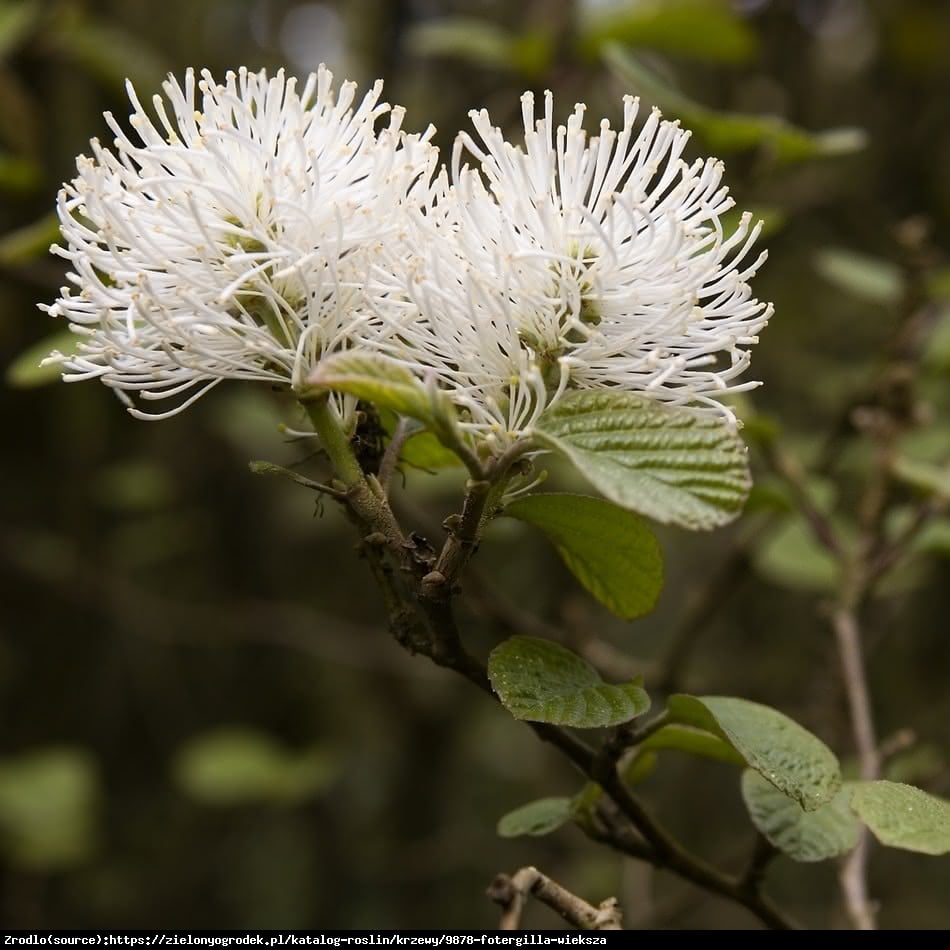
x,y
778,748
379,380
673,465
826,832
541,681
609,550
901,816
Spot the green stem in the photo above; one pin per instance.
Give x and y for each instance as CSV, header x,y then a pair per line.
x,y
335,442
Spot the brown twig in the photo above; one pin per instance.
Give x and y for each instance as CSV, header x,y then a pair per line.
x,y
512,893
853,874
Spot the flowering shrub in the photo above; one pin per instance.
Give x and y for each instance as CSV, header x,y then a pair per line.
x,y
566,298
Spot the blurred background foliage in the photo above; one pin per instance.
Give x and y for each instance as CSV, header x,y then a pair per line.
x,y
204,722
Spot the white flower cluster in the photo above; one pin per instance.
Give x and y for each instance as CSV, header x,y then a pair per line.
x,y
253,229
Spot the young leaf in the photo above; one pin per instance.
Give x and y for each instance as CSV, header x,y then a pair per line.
x,y
609,550
803,835
778,748
902,816
541,681
673,465
538,818
694,741
382,381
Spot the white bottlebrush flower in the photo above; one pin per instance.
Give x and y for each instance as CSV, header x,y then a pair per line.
x,y
230,236
578,263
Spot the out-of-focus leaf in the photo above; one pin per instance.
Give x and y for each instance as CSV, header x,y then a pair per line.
x,y
107,52
18,174
938,284
48,803
869,278
785,753
791,557
17,20
541,681
25,372
725,132
937,348
924,477
482,43
934,538
29,242
918,764
537,818
803,835
901,816
240,766
141,485
706,30
773,220
612,552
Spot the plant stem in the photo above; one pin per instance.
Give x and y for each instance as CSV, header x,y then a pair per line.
x,y
335,443
853,873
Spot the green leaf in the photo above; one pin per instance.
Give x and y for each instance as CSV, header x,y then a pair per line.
x,y
384,382
730,131
694,741
925,477
640,767
901,816
424,451
537,818
868,278
105,51
48,804
673,465
483,43
25,372
791,557
778,748
29,242
541,681
816,835
609,550
706,30
466,38
237,766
